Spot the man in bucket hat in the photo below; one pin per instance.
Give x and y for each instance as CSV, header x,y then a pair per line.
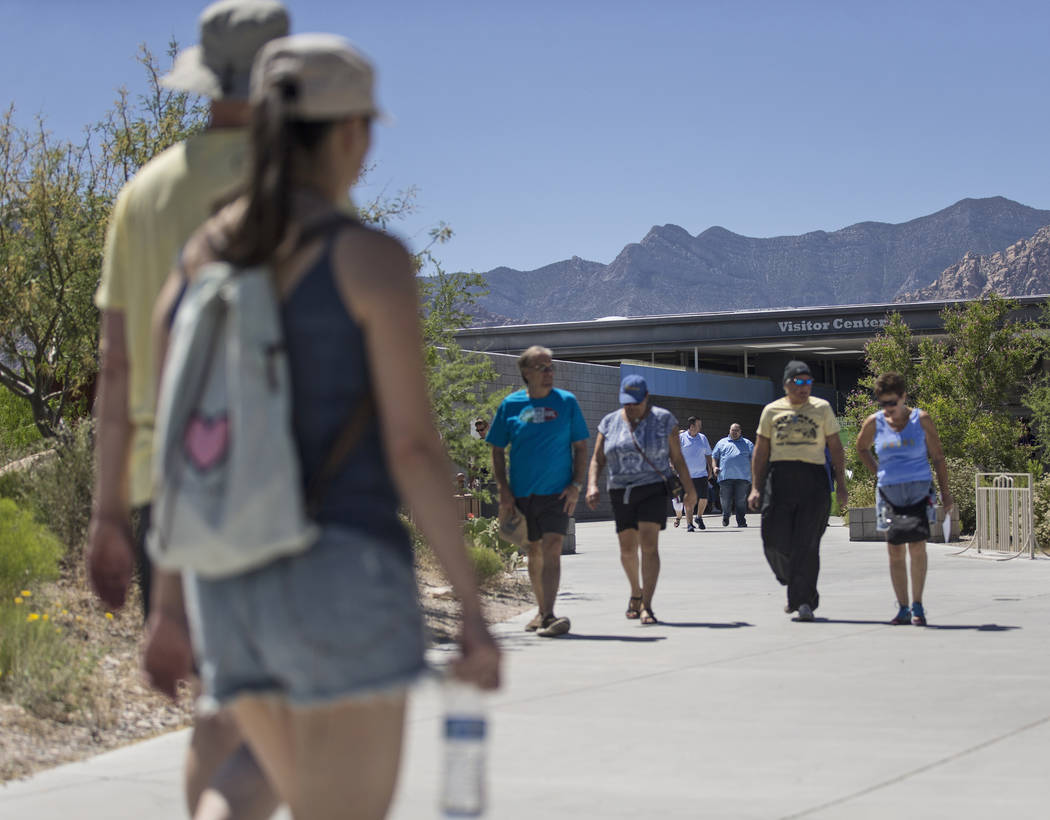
x,y
155,213
788,477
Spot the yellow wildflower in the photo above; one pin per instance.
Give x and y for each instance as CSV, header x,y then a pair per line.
x,y
79,618
19,600
46,617
32,617
26,593
109,616
65,611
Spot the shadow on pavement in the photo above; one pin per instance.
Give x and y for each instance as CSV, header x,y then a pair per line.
x,y
700,624
578,636
976,627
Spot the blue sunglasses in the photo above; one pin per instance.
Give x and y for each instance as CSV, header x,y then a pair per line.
x,y
801,382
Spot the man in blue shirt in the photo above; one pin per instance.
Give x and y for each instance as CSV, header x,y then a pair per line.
x,y
548,464
732,457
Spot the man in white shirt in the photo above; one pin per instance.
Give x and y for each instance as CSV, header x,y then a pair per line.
x,y
697,452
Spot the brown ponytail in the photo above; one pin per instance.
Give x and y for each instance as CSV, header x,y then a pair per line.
x,y
275,144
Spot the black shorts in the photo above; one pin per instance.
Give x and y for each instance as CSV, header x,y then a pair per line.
x,y
141,521
543,514
647,502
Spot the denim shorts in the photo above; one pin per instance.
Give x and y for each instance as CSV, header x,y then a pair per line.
x,y
339,620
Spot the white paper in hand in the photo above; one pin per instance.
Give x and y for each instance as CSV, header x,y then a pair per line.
x,y
946,526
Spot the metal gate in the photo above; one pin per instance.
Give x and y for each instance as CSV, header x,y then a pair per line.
x,y
1005,517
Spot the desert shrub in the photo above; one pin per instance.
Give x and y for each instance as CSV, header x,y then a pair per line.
x,y
41,668
961,475
17,431
58,489
488,564
1041,504
28,551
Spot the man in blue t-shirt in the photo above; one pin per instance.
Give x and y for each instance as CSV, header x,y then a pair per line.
x,y
732,457
548,464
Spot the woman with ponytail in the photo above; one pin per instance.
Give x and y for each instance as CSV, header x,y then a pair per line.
x,y
313,653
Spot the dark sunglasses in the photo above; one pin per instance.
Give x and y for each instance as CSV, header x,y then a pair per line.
x,y
802,382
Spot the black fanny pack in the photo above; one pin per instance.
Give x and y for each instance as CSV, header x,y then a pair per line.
x,y
907,524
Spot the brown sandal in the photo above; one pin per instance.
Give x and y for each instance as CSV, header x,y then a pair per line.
x,y
634,613
648,618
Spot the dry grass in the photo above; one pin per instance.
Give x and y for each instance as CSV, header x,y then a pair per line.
x,y
108,704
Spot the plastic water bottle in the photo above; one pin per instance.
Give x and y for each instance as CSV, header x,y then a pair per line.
x,y
463,788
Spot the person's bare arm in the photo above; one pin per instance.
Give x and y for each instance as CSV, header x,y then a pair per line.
x,y
759,465
678,460
499,475
712,470
865,440
936,453
595,470
110,552
377,282
571,494
838,464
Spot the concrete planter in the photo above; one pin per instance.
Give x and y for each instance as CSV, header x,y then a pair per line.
x,y
862,526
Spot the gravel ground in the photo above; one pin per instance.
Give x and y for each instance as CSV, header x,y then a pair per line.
x,y
119,708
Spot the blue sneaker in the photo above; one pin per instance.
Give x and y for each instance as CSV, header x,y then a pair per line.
x,y
903,616
918,614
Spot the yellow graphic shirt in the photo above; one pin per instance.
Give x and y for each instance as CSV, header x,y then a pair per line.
x,y
797,432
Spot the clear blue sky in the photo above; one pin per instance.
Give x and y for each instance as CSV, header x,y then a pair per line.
x,y
545,129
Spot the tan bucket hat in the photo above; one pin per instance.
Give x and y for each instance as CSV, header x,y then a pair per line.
x,y
231,32
324,77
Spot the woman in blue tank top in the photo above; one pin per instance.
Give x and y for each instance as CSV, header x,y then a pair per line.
x,y
313,653
905,442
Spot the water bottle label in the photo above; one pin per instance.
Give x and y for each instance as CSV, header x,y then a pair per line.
x,y
464,728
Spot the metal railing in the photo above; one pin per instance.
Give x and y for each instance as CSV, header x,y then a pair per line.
x,y
1005,515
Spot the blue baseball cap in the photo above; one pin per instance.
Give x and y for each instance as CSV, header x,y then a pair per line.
x,y
633,389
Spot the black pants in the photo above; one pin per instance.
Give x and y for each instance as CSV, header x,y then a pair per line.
x,y
795,509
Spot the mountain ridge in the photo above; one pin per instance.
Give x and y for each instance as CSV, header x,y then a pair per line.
x,y
672,271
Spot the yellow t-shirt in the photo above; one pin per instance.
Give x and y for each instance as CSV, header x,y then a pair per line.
x,y
797,432
155,214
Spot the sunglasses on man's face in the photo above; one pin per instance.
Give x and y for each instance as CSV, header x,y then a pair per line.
x,y
802,382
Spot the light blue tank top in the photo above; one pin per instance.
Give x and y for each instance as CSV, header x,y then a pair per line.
x,y
902,455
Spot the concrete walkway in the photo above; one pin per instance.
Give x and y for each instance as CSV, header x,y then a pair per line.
x,y
728,709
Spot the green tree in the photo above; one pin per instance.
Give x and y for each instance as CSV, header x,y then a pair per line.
x,y
461,382
55,200
970,382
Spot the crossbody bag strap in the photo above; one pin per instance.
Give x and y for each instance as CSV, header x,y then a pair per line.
x,y
638,447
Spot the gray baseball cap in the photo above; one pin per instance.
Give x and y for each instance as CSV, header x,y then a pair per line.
x,y
231,32
322,76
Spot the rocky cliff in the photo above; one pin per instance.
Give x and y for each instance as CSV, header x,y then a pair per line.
x,y
1023,269
672,271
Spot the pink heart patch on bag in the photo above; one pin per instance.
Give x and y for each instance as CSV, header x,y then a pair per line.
x,y
206,441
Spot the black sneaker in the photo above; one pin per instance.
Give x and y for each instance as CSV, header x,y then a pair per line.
x,y
700,523
725,522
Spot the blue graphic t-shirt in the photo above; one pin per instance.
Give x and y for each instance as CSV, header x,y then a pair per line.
x,y
627,467
540,433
